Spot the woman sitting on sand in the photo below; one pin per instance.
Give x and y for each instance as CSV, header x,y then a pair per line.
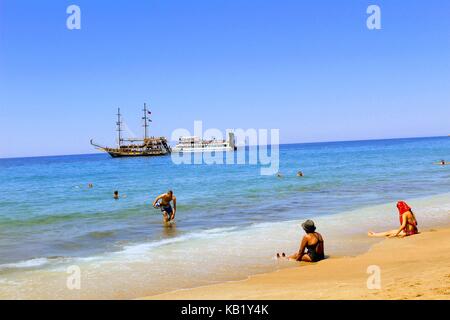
x,y
312,241
408,223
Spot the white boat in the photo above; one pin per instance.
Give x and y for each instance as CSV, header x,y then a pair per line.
x,y
195,144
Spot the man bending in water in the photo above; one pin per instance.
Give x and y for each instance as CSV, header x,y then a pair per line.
x,y
163,202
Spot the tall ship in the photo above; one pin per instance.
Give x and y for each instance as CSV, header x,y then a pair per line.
x,y
136,147
196,144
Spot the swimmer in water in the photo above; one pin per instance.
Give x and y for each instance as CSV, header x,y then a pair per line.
x,y
116,195
442,163
299,174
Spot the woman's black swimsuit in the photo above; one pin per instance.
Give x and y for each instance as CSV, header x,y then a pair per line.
x,y
312,251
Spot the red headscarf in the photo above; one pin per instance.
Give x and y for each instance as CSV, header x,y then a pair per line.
x,y
402,207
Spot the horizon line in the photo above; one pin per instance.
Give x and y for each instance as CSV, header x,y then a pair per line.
x,y
281,144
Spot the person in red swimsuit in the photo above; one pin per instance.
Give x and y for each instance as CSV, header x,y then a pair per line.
x,y
408,223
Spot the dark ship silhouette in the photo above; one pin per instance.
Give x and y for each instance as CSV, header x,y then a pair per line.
x,y
137,147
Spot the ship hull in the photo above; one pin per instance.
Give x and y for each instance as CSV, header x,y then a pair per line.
x,y
132,155
203,150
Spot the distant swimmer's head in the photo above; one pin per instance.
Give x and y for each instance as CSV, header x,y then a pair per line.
x,y
403,207
300,174
442,162
116,194
309,226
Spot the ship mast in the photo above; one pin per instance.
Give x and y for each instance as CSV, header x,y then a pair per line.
x,y
145,121
119,128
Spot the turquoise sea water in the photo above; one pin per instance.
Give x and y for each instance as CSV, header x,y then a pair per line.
x,y
48,216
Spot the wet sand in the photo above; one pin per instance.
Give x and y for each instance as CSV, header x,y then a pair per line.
x,y
416,267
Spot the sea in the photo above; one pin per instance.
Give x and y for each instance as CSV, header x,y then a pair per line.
x,y
60,239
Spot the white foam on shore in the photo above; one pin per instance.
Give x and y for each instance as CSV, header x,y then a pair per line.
x,y
212,255
26,264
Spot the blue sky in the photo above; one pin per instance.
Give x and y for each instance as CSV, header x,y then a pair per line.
x,y
310,68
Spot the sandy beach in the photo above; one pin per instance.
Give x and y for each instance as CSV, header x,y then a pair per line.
x,y
416,267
